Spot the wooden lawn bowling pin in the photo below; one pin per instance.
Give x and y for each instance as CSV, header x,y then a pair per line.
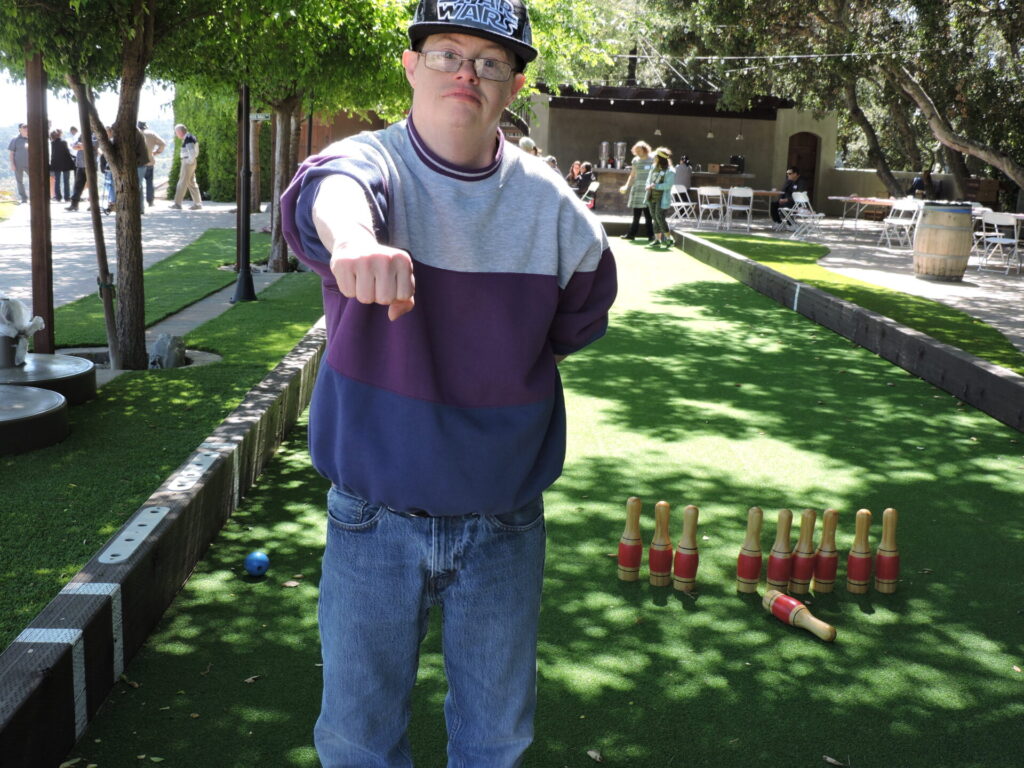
x,y
858,564
791,611
684,565
748,564
803,555
826,559
659,555
780,559
631,546
887,558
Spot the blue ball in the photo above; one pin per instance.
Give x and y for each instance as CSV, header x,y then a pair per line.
x,y
257,563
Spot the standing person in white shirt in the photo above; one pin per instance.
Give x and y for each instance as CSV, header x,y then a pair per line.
x,y
187,175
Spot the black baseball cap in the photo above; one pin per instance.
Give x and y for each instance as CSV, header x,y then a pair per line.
x,y
505,22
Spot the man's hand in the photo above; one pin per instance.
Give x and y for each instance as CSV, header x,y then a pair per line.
x,y
372,273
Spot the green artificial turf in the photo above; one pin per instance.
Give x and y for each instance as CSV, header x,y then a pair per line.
x,y
61,503
800,261
702,392
169,285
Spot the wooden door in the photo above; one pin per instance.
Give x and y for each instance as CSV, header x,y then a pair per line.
x,y
803,153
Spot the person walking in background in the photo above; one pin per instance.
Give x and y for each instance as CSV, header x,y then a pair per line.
x,y
636,189
18,149
659,185
432,335
62,163
108,175
154,146
78,147
187,173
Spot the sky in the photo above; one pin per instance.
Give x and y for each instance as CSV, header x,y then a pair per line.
x,y
154,104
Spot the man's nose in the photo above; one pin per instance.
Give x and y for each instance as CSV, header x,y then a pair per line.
x,y
471,63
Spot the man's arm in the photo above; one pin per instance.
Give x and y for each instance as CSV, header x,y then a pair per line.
x,y
365,270
161,145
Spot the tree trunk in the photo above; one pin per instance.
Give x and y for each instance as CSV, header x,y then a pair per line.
x,y
124,162
83,95
958,168
254,163
943,131
284,112
875,153
915,158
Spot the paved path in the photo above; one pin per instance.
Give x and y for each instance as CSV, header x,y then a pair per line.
x,y
992,297
164,231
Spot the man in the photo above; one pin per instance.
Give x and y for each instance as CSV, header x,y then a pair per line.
x,y
18,148
81,179
187,173
457,274
154,146
793,184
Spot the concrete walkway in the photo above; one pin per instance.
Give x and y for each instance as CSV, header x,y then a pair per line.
x,y
991,297
164,231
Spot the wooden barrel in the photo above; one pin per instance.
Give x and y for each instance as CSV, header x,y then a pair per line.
x,y
942,241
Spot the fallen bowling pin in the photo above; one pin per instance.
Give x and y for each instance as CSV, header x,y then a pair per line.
x,y
887,558
780,559
684,565
659,555
858,564
803,555
631,546
748,564
791,611
826,559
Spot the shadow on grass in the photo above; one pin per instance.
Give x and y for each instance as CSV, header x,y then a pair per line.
x,y
921,678
949,325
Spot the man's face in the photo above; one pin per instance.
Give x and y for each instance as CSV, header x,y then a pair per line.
x,y
461,98
23,130
179,133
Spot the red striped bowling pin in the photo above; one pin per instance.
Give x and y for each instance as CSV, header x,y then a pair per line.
x,y
659,555
780,559
631,546
858,564
887,558
684,566
748,564
791,611
803,555
826,559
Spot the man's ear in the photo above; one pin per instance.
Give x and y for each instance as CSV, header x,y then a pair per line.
x,y
409,61
518,81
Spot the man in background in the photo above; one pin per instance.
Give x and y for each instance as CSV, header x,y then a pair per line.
x,y
18,149
187,175
154,146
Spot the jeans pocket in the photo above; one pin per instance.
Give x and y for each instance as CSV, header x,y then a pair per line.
x,y
526,518
349,512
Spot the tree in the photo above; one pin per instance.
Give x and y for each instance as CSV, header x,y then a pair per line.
x,y
97,44
948,57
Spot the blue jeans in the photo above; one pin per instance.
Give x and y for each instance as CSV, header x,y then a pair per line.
x,y
383,571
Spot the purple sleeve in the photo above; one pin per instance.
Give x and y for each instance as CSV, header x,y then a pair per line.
x,y
582,315
297,204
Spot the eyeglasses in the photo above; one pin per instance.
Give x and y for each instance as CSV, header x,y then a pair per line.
x,y
488,69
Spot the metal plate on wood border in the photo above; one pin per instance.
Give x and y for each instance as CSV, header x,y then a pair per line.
x,y
133,534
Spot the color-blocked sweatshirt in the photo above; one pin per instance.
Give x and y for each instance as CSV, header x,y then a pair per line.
x,y
456,407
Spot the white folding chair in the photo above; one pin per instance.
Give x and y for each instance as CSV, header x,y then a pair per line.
x,y
683,208
740,203
710,205
1001,247
900,223
803,217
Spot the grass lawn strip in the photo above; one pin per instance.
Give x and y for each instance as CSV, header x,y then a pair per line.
x,y
702,392
125,443
170,285
952,326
